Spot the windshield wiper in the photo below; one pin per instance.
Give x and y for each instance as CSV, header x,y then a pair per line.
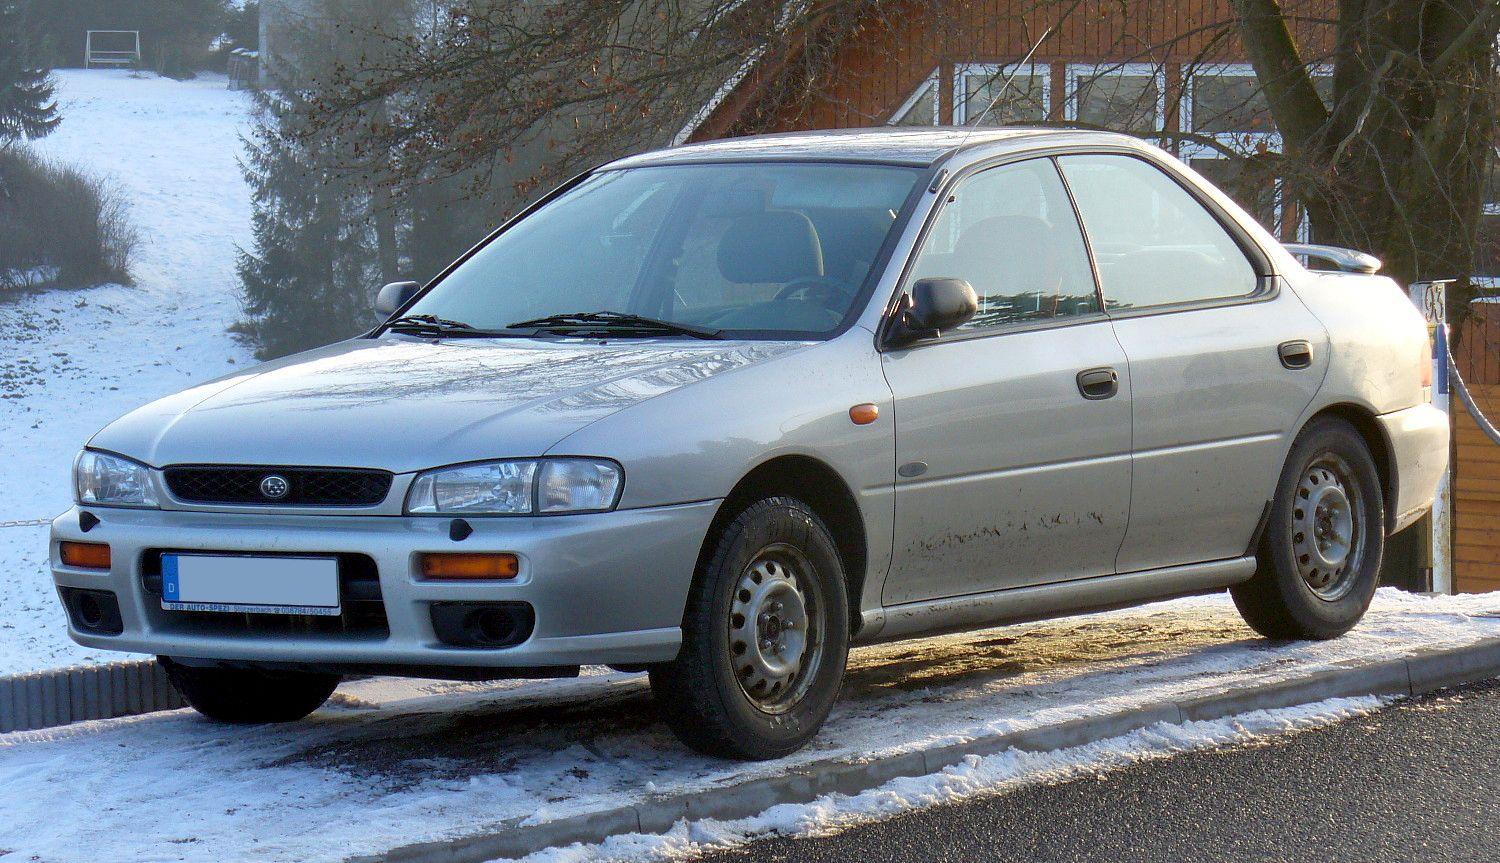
x,y
432,325
613,323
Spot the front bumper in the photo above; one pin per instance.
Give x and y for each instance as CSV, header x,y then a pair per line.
x,y
606,588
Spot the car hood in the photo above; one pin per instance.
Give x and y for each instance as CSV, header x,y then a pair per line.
x,y
405,404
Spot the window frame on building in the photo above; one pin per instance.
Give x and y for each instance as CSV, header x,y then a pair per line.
x,y
931,88
963,71
1075,74
1246,143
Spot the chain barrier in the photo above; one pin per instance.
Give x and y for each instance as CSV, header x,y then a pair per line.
x,y
1469,404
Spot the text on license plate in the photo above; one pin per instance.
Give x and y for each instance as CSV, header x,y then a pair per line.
x,y
257,584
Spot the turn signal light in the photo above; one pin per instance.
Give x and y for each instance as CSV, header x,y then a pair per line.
x,y
87,555
863,415
449,565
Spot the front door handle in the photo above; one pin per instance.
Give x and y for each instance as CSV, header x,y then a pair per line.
x,y
1295,354
1096,384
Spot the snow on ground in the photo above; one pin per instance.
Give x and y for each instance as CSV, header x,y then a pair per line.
x,y
975,777
71,361
395,762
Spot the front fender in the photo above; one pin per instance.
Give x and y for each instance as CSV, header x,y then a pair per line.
x,y
697,442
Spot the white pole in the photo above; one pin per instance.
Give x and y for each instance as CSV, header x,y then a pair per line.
x,y
1431,298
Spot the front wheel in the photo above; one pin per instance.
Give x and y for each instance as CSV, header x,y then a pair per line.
x,y
764,639
1319,560
249,695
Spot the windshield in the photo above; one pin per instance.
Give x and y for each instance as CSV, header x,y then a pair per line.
x,y
743,249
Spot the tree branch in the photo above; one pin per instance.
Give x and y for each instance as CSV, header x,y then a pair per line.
x,y
1298,111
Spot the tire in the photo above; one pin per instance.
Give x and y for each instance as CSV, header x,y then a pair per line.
x,y
772,576
1329,509
246,695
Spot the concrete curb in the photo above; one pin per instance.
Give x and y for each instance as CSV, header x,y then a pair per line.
x,y
46,699
1415,675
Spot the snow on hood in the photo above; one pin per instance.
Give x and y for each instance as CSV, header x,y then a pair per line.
x,y
404,404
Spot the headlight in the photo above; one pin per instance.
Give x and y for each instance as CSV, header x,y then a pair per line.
x,y
517,487
102,479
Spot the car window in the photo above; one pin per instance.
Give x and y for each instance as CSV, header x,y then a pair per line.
x,y
1011,233
761,249
1155,244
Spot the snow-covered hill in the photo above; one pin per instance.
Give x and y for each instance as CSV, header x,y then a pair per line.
x,y
71,361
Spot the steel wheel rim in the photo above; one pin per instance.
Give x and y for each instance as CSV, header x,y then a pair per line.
x,y
775,632
1327,528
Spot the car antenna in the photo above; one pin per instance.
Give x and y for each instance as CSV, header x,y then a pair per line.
x,y
1006,86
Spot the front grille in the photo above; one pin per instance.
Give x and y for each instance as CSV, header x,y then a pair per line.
x,y
362,601
305,486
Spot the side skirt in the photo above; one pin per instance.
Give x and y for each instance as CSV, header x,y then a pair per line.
x,y
1038,602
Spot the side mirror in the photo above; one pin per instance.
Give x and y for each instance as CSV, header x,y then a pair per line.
x,y
933,306
393,296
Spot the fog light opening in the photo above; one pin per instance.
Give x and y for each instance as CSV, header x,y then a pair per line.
x,y
89,611
96,612
485,625
493,627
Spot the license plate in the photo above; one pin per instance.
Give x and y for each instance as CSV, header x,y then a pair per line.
x,y
258,585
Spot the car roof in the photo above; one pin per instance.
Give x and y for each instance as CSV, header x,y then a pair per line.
x,y
891,145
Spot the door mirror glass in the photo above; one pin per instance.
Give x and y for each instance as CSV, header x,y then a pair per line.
x,y
393,296
932,307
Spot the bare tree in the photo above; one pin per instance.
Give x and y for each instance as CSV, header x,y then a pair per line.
x,y
1391,158
554,86
1396,162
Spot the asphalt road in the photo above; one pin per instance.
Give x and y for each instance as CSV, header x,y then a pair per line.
x,y
1418,781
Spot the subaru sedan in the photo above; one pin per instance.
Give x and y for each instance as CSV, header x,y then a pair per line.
x,y
718,412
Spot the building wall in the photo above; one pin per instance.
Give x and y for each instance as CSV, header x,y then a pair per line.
x,y
874,69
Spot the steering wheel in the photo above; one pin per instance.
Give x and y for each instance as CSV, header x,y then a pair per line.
x,y
822,289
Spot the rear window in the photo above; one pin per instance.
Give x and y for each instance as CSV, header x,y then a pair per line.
x,y
1154,243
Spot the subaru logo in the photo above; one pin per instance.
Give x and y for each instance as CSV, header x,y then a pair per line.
x,y
275,487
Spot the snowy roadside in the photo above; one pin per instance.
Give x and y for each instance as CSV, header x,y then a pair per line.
x,y
396,762
71,361
976,777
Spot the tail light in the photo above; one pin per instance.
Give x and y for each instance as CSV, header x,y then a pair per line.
x,y
1428,358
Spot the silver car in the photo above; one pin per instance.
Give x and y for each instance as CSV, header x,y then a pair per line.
x,y
719,412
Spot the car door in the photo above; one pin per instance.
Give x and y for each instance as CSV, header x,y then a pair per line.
x,y
1012,431
1222,363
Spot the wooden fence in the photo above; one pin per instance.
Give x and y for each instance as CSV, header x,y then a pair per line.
x,y
1476,499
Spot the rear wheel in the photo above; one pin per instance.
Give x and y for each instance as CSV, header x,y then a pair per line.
x,y
249,695
765,637
1319,560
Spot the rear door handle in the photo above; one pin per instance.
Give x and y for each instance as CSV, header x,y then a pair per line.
x,y
1295,354
1096,384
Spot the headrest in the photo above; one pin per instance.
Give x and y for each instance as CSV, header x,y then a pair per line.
x,y
738,201
1009,255
1004,235
771,246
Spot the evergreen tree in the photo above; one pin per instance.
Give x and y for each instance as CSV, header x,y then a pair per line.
x,y
327,230
314,267
27,109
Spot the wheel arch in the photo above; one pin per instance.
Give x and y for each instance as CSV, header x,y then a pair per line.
x,y
1364,422
818,485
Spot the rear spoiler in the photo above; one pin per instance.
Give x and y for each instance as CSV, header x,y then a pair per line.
x,y
1343,260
